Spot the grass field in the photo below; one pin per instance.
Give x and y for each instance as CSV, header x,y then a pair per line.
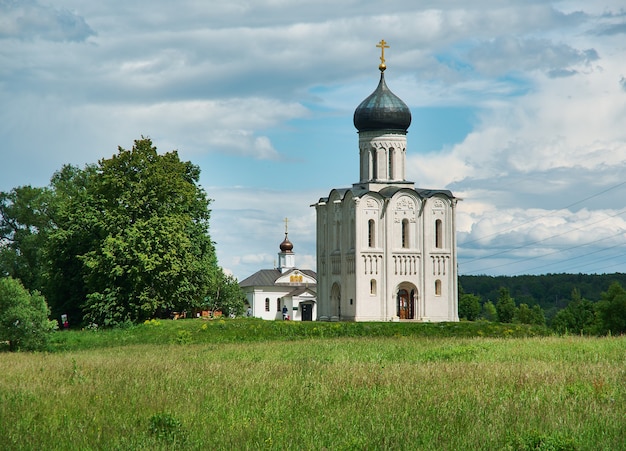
x,y
247,384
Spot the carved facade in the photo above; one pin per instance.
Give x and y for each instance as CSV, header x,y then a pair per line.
x,y
385,249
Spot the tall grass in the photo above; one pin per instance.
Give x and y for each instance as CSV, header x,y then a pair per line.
x,y
396,392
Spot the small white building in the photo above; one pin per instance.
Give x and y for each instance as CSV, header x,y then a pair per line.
x,y
284,291
386,250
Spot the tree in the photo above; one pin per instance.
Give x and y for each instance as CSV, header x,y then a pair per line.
x,y
73,236
505,307
469,307
612,310
527,315
132,235
489,311
578,317
227,295
23,225
24,320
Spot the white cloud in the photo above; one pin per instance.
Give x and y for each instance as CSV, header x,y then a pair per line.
x,y
262,93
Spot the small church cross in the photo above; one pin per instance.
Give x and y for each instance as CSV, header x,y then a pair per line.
x,y
286,222
382,45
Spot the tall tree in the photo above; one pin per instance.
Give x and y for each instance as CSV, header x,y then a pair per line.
x,y
74,235
137,227
612,310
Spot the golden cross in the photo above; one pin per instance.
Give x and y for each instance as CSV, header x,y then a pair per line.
x,y
382,45
286,222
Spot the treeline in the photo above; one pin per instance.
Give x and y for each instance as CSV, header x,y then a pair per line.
x,y
120,241
578,303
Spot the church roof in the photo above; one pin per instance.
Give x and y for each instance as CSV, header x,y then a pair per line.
x,y
389,191
268,277
382,110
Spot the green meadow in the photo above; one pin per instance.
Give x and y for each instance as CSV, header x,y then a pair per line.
x,y
250,384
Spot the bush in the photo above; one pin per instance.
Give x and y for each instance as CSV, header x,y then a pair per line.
x,y
24,322
165,426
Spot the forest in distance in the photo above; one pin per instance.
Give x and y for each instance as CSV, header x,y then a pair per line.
x,y
552,292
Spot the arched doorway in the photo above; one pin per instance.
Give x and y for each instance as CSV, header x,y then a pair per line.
x,y
406,300
335,300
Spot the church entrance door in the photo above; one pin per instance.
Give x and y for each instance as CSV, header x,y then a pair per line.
x,y
307,312
406,304
403,304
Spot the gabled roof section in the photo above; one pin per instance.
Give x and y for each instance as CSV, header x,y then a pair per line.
x,y
297,276
261,278
269,277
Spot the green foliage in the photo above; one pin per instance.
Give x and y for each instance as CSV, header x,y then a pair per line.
x,y
489,312
24,323
535,441
612,310
131,240
505,307
578,317
165,426
24,223
469,307
226,295
249,330
527,315
551,291
183,337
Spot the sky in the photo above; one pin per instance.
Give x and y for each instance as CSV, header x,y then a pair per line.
x,y
518,106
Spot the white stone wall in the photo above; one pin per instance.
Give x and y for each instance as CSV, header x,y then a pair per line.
x,y
346,258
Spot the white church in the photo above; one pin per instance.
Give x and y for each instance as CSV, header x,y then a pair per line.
x,y
285,292
386,250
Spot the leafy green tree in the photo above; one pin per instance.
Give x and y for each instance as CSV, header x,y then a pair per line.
x,y
227,296
612,310
538,315
578,317
489,311
24,320
132,236
469,307
24,222
505,306
74,235
527,315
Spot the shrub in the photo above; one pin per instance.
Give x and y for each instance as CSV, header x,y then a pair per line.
x,y
539,442
24,322
165,426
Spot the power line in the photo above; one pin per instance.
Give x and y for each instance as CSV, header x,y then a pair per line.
x,y
548,254
546,215
544,239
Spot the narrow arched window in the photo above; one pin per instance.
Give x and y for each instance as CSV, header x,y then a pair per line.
x,y
405,233
373,287
352,233
267,304
437,287
391,166
438,234
278,305
374,165
371,233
